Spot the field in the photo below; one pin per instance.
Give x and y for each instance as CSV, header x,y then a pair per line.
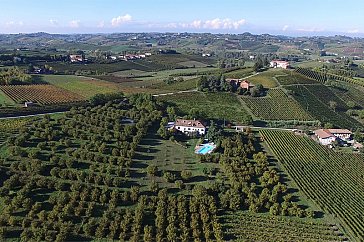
x,y
315,99
83,86
333,180
5,100
267,78
348,93
41,94
276,106
11,127
209,106
294,78
244,226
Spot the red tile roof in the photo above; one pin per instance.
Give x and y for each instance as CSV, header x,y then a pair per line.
x,y
323,133
189,123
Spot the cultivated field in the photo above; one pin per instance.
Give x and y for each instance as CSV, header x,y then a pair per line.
x,y
42,94
333,180
83,86
218,106
276,106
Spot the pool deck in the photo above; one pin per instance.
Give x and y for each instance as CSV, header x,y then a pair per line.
x,y
201,146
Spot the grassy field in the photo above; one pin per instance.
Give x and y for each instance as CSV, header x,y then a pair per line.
x,y
178,86
84,86
171,157
209,105
5,100
292,77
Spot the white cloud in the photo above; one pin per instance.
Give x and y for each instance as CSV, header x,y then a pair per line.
x,y
13,23
216,23
101,24
117,21
74,23
53,22
353,31
313,29
285,27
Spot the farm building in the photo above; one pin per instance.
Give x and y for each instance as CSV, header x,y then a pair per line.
x,y
76,58
327,136
245,84
190,126
279,64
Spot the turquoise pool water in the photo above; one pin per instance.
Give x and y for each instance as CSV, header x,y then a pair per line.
x,y
205,149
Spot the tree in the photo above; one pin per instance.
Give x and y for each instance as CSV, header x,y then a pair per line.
x,y
333,105
258,65
351,104
152,170
214,132
186,175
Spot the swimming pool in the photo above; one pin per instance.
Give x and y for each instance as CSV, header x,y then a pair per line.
x,y
205,149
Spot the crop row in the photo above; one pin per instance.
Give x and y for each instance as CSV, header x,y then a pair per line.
x,y
323,77
43,94
333,180
277,106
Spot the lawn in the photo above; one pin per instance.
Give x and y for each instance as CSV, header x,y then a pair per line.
x,y
172,157
5,100
267,78
220,106
84,86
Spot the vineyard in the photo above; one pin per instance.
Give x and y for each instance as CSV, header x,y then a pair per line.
x,y
276,106
323,77
42,94
294,78
257,227
316,101
348,93
333,180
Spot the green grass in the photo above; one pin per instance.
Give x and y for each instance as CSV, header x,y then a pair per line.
x,y
84,86
171,157
5,100
209,105
192,64
294,78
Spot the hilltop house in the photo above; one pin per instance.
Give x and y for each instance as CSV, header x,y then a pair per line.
x,y
244,84
190,126
76,58
328,136
279,64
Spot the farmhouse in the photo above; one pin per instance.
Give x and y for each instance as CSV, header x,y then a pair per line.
x,y
279,64
190,126
324,136
76,58
327,136
244,84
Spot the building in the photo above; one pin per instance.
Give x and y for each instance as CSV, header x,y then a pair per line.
x,y
279,64
244,84
190,126
343,134
324,136
76,58
28,104
328,136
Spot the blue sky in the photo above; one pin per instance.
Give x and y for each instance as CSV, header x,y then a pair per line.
x,y
310,17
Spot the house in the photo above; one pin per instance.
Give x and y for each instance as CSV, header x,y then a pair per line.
x,y
76,58
28,104
327,136
324,136
244,84
279,64
190,126
343,134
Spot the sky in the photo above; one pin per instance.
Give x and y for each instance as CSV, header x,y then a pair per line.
x,y
291,18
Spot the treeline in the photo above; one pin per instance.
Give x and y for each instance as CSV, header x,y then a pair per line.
x,y
218,83
14,76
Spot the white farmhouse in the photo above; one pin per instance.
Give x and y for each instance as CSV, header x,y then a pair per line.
x,y
279,64
324,136
190,126
327,136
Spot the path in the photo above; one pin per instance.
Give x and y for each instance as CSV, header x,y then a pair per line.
x,y
240,127
30,115
172,93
